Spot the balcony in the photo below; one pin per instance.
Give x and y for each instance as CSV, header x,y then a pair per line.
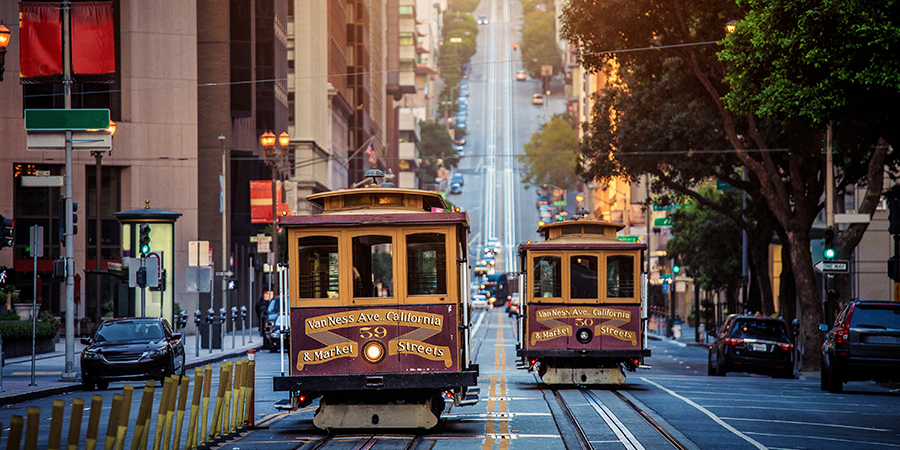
x,y
408,151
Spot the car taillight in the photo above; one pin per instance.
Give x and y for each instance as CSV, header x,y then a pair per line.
x,y
785,347
842,334
734,341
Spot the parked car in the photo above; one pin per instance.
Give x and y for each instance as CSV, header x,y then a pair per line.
x,y
537,99
274,333
271,317
512,306
134,348
460,141
521,75
455,188
863,344
480,302
457,178
482,19
752,344
460,150
494,244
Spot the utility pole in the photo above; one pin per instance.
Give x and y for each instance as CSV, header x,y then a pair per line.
x,y
223,206
69,374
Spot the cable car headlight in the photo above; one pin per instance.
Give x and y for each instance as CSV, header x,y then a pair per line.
x,y
373,352
584,335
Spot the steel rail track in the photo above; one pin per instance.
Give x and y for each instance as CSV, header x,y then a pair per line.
x,y
570,417
364,442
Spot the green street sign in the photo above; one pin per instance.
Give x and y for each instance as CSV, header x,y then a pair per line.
x,y
559,203
629,239
663,207
662,222
66,119
723,186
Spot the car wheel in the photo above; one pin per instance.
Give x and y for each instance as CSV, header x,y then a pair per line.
x,y
87,384
787,374
103,385
721,370
823,376
709,369
835,384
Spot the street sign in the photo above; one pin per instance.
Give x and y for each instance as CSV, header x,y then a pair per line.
x,y
723,186
263,247
152,266
199,279
66,119
56,140
629,239
195,250
42,181
832,266
36,243
260,238
559,203
224,273
662,222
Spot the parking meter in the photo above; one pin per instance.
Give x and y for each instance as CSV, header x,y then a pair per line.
x,y
197,320
210,316
223,314
795,327
234,314
243,329
182,320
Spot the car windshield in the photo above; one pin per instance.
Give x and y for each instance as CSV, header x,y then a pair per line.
x,y
882,316
274,305
129,331
760,329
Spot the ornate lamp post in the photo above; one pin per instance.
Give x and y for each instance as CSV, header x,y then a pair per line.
x,y
273,158
4,41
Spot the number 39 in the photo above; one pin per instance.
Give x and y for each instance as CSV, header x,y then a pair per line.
x,y
368,332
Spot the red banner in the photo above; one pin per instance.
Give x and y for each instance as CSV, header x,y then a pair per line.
x,y
261,202
40,34
93,38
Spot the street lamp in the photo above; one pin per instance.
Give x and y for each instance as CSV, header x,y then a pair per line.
x,y
4,41
98,217
273,158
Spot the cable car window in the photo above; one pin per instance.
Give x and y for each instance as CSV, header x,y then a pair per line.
x,y
571,230
547,276
620,276
426,262
584,277
373,266
318,267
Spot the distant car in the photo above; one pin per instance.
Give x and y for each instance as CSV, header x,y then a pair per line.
x,y
460,150
521,75
460,141
134,348
494,243
273,310
512,306
537,99
863,344
275,331
455,188
480,302
464,90
752,344
457,178
462,100
482,19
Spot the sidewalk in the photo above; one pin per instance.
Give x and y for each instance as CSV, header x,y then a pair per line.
x,y
687,337
49,367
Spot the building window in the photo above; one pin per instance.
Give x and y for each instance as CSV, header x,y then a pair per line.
x,y
110,203
407,65
407,39
407,12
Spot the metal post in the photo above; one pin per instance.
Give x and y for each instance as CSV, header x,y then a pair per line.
x,y
33,244
274,220
2,363
98,216
251,277
69,373
233,328
144,287
280,271
210,313
197,321
243,326
223,202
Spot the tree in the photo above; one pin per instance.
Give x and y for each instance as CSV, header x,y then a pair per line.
x,y
539,43
782,157
709,244
551,156
435,151
462,5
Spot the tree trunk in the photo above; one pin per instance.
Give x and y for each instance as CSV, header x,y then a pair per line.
x,y
810,301
787,295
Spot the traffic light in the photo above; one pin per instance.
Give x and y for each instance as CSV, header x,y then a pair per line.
x,y
141,277
676,268
829,252
6,231
74,218
62,220
144,240
893,268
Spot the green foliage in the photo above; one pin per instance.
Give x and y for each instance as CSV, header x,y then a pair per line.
x,y
552,154
435,151
21,331
9,316
539,42
815,61
706,242
462,5
455,55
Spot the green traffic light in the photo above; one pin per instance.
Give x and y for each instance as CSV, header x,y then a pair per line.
x,y
676,269
145,249
829,253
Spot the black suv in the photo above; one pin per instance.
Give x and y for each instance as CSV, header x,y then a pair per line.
x,y
863,344
752,344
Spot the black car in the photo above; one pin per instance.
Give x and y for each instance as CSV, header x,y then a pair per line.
x,y
863,344
271,318
135,348
752,344
281,326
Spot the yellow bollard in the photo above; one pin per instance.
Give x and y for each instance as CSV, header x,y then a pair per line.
x,y
239,404
195,409
124,415
226,405
112,428
74,440
215,430
179,414
207,381
250,388
138,441
32,426
93,429
161,414
14,441
235,389
56,421
170,412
